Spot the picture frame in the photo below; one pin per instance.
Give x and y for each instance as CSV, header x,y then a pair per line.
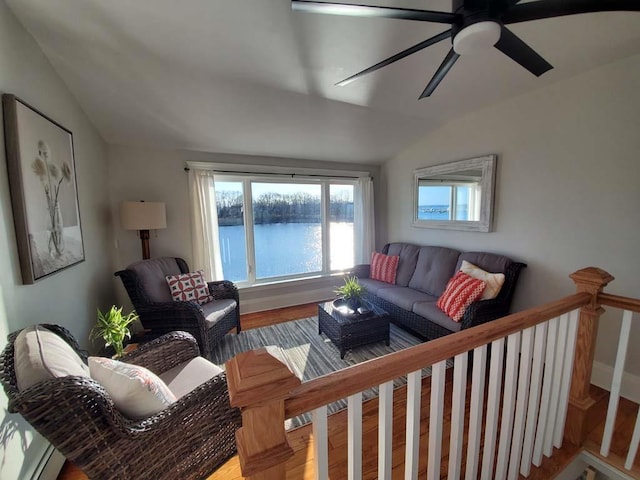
x,y
44,195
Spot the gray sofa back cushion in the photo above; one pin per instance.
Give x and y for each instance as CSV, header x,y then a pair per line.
x,y
407,264
489,262
435,267
152,273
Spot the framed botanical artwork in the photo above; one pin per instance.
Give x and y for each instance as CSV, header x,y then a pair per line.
x,y
44,196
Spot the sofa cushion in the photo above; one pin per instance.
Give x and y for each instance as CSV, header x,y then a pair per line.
x,y
135,391
42,355
490,262
215,310
404,297
384,267
152,274
435,267
430,311
183,378
406,264
462,290
494,281
373,286
187,287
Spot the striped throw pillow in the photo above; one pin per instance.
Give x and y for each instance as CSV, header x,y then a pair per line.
x,y
494,281
462,290
384,267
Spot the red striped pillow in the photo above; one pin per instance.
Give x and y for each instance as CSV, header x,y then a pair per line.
x,y
384,267
462,290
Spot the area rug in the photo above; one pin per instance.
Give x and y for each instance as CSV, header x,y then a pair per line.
x,y
313,355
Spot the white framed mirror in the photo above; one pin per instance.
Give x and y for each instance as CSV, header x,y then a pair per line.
x,y
456,195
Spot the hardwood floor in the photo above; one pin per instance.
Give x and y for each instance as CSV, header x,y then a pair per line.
x,y
300,466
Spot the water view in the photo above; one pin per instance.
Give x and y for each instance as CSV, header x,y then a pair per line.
x,y
285,249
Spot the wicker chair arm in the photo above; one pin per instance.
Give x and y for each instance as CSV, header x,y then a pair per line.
x,y
220,289
206,402
361,271
165,352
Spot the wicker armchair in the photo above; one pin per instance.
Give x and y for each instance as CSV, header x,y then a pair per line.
x,y
146,285
188,440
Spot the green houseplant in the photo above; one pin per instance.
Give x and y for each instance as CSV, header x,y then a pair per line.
x,y
113,327
351,292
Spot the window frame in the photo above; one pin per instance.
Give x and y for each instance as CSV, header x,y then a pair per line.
x,y
325,182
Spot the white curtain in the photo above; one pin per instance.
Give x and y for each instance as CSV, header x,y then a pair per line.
x,y
364,223
204,224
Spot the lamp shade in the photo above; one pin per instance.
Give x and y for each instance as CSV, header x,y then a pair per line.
x,y
143,215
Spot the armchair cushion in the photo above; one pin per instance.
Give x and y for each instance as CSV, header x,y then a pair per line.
x,y
137,392
152,277
183,378
188,287
43,355
218,309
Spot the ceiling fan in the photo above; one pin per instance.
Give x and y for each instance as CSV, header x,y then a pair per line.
x,y
475,25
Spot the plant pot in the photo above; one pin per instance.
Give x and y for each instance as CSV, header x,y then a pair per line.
x,y
353,304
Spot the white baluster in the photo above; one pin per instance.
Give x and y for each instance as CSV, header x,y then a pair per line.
x,y
475,414
435,419
618,370
521,403
561,345
547,384
567,372
320,443
412,442
457,415
385,430
493,407
540,344
508,405
633,446
354,418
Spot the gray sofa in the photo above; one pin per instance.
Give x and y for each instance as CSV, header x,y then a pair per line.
x,y
422,276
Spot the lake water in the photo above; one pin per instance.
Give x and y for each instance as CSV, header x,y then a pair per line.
x,y
285,249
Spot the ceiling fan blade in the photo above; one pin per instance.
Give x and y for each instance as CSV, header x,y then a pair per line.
x,y
517,50
553,8
330,8
443,69
396,57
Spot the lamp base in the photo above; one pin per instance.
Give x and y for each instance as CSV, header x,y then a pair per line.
x,y
144,238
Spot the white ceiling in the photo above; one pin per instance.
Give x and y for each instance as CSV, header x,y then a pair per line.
x,y
253,77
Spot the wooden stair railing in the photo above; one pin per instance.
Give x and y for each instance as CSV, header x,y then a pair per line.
x,y
269,392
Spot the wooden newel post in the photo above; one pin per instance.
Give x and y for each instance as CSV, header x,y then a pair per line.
x,y
591,280
259,381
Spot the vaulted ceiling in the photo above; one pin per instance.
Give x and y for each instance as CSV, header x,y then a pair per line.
x,y
253,77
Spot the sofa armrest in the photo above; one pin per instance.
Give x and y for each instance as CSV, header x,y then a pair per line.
x,y
483,311
361,271
164,352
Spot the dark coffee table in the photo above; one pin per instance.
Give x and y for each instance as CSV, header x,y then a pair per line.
x,y
348,330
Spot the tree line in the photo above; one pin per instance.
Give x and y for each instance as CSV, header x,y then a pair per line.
x,y
274,207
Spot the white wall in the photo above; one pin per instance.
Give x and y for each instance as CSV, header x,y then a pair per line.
x,y
70,297
158,175
567,186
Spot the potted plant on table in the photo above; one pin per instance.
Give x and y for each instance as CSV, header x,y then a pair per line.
x,y
351,292
113,328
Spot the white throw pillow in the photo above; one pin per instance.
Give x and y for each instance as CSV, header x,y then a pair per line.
x,y
135,391
42,355
494,281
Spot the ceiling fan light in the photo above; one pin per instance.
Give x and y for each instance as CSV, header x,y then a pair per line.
x,y
476,37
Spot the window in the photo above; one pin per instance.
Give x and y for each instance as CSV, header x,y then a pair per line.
x,y
273,229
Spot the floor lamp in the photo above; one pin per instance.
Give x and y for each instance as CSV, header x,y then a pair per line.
x,y
143,216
